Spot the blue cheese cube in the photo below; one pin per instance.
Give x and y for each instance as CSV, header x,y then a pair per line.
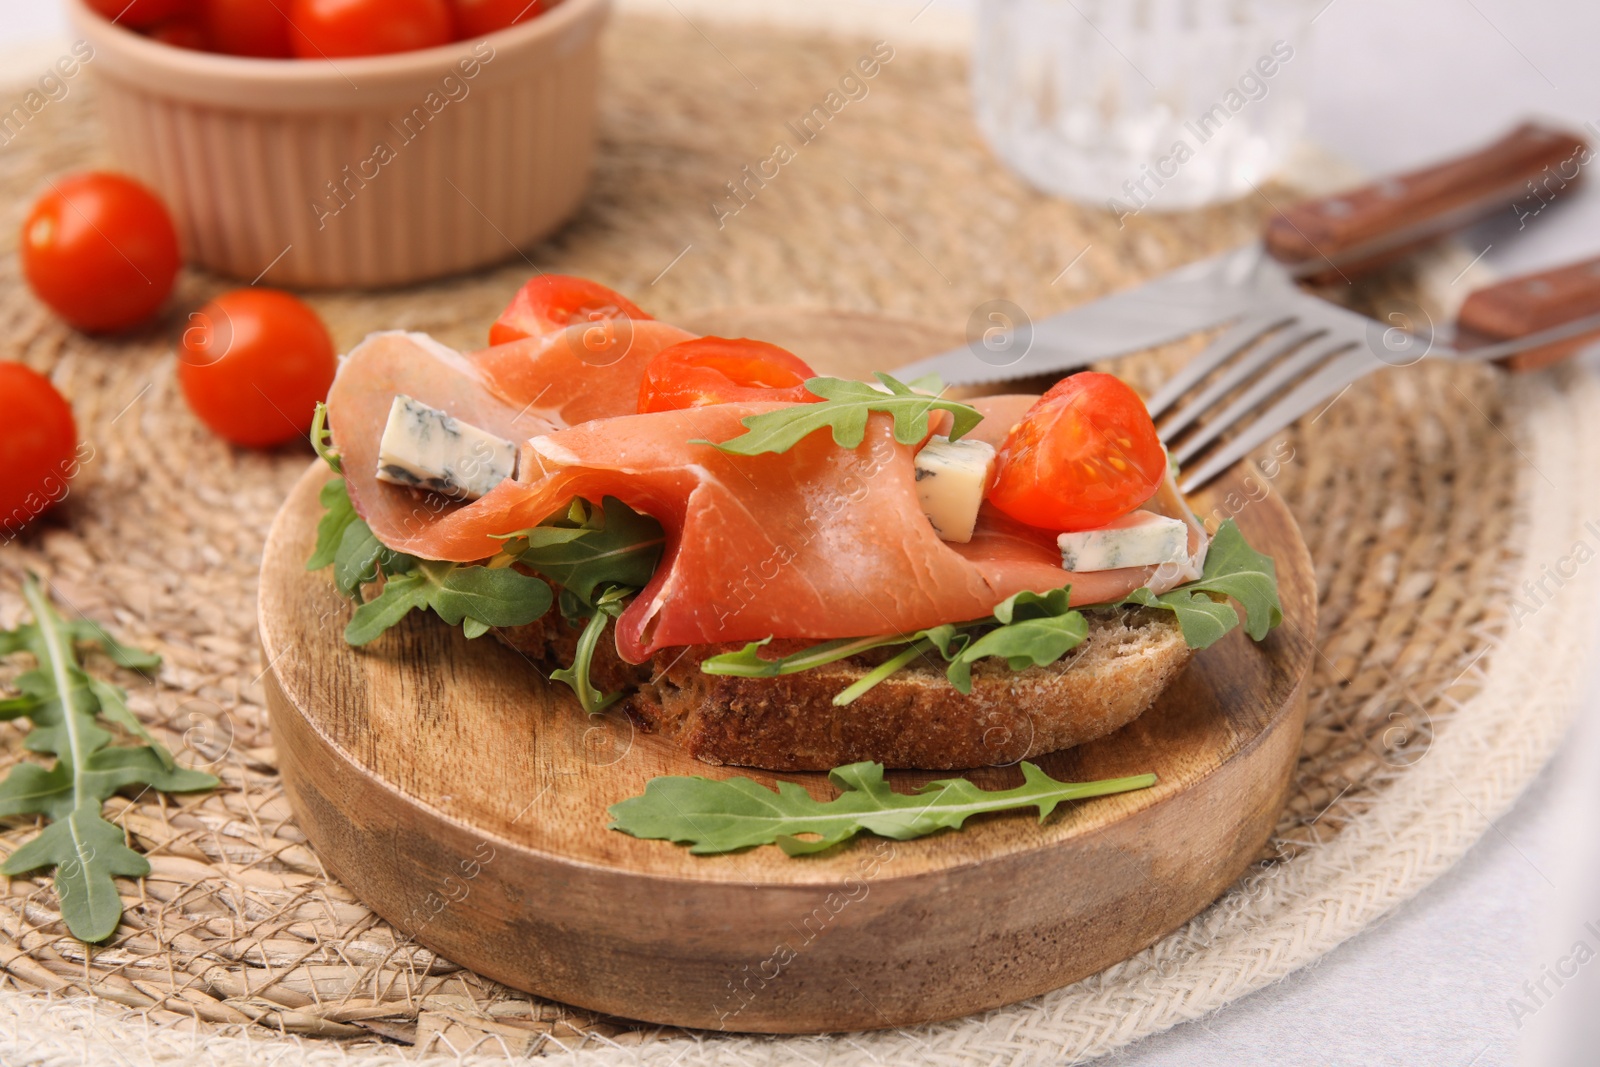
x,y
952,477
424,448
1140,539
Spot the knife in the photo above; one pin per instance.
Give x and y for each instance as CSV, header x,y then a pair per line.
x,y
1332,239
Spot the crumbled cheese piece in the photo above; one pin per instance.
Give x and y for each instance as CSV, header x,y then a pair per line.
x,y
425,448
952,477
1140,539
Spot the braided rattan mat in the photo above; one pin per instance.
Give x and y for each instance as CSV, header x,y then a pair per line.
x,y
1414,492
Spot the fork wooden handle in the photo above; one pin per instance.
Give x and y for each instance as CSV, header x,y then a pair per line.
x,y
1335,238
1533,302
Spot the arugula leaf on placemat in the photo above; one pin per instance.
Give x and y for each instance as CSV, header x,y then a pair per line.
x,y
735,813
1233,569
63,701
844,410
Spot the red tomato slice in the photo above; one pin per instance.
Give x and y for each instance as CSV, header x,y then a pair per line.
x,y
37,446
100,250
329,29
253,364
1086,453
258,28
475,18
723,370
553,302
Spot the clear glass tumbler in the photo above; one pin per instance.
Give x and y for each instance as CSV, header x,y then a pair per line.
x,y
1135,104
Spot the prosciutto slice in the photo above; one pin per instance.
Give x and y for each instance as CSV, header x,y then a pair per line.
x,y
817,542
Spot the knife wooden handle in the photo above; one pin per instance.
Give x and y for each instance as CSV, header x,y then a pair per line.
x,y
1335,238
1533,302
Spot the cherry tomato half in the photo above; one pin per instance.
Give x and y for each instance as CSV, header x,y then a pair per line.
x,y
37,445
258,28
474,18
1084,454
328,29
553,302
253,364
723,370
141,14
100,250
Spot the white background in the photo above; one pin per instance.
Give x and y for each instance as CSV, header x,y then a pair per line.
x,y
1395,84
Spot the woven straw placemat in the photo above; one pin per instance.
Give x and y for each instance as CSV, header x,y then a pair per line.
x,y
1428,496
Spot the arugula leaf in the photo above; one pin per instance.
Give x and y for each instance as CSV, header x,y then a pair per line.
x,y
589,547
845,408
1035,630
607,606
735,813
322,441
489,596
338,515
748,663
64,702
1233,569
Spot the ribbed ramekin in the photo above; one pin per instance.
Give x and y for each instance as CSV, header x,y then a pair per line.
x,y
367,172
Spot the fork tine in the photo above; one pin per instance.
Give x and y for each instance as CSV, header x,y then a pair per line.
x,y
1241,335
1331,380
1263,389
1237,373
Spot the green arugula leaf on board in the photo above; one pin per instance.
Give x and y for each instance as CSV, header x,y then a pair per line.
x,y
844,410
586,548
1233,569
338,515
726,815
65,703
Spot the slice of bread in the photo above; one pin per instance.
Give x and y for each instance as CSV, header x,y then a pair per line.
x,y
913,719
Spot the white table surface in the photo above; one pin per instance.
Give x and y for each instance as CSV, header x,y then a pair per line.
x,y
1394,85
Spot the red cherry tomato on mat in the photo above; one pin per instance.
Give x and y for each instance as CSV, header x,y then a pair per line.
x,y
474,18
329,29
141,14
1086,453
723,370
258,28
38,441
553,302
100,250
253,364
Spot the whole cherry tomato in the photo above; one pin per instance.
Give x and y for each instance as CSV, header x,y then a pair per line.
x,y
258,28
553,302
1086,453
37,446
100,250
141,14
722,370
253,364
180,33
475,18
328,29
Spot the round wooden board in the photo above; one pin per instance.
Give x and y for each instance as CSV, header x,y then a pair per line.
x,y
464,799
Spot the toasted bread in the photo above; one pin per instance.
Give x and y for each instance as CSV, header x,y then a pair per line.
x,y
914,718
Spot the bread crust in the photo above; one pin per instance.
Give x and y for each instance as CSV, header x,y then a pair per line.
x,y
913,719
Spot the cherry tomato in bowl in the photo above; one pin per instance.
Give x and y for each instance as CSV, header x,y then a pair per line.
x,y
723,370
329,29
253,364
257,28
100,250
1085,453
553,302
38,441
475,18
181,33
141,14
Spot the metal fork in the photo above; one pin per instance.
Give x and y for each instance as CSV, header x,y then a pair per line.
x,y
1268,369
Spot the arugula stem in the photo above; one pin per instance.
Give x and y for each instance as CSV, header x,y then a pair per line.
x,y
815,656
882,671
50,633
577,676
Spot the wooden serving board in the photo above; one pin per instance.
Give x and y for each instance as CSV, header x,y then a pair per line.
x,y
464,799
